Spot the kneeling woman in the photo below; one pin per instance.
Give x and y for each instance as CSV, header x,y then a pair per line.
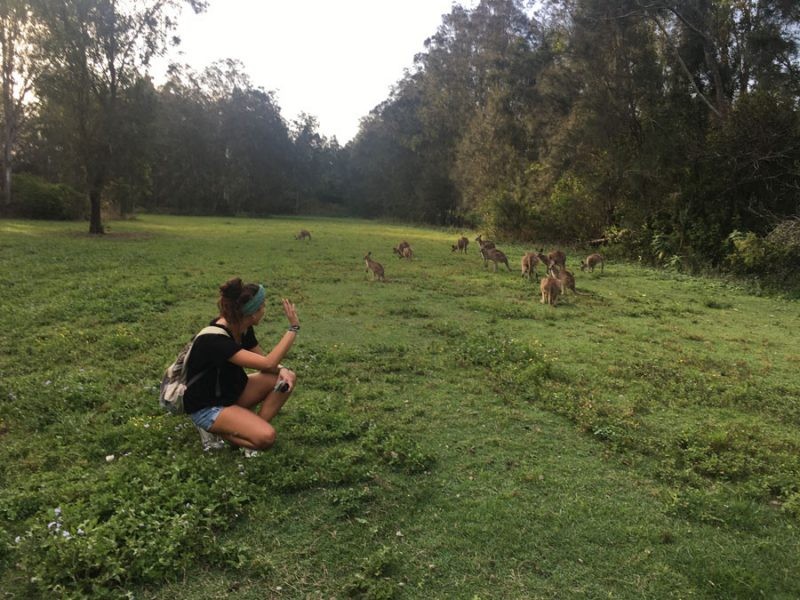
x,y
225,400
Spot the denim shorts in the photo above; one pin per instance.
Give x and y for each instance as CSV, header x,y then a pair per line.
x,y
205,417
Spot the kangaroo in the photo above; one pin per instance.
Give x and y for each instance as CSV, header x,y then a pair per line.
x,y
399,248
406,252
528,264
543,260
567,281
461,245
304,233
592,261
556,257
484,243
495,256
551,289
375,267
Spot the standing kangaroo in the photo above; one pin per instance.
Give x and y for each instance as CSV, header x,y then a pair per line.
x,y
375,267
566,280
592,261
484,243
304,233
495,256
528,264
461,245
551,290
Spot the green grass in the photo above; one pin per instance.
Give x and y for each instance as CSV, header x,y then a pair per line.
x,y
450,436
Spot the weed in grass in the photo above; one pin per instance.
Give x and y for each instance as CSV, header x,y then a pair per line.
x,y
374,579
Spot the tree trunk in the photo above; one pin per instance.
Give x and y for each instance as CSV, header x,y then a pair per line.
x,y
7,178
95,221
8,115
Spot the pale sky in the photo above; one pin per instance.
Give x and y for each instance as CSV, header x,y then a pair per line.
x,y
334,59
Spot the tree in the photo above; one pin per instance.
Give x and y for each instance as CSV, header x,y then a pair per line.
x,y
221,146
475,58
18,69
95,50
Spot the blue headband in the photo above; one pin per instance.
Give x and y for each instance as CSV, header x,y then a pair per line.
x,y
255,302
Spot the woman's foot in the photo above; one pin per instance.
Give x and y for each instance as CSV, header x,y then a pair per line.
x,y
210,441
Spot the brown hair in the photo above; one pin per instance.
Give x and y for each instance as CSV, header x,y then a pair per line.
x,y
233,295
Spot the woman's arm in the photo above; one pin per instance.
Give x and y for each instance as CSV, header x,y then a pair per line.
x,y
250,359
259,350
256,359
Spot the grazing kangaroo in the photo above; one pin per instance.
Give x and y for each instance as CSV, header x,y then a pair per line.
x,y
495,256
484,243
592,261
406,252
551,289
304,233
528,264
399,248
461,245
375,267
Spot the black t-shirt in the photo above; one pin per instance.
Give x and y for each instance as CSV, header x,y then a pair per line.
x,y
210,354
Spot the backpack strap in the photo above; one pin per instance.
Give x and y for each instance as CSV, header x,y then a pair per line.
x,y
217,329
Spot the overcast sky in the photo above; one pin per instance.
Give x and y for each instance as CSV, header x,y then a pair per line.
x,y
334,59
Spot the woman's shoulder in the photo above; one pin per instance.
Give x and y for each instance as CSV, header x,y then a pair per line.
x,y
215,323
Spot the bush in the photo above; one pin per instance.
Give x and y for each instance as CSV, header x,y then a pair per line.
x,y
773,258
35,198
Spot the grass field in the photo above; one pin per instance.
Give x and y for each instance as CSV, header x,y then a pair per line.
x,y
450,436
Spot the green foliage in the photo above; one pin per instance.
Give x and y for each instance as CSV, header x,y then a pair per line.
x,y
749,252
511,215
103,538
570,212
772,258
35,198
373,581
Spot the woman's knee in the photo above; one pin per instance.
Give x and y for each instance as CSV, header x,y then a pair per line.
x,y
265,439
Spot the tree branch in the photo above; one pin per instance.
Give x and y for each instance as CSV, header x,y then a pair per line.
x,y
685,68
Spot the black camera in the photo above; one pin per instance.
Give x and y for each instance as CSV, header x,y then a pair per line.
x,y
281,386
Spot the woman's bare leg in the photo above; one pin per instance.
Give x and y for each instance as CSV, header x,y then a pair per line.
x,y
239,425
242,427
260,389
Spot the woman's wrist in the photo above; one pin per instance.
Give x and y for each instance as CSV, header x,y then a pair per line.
x,y
294,328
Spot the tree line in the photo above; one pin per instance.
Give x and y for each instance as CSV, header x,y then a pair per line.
x,y
667,127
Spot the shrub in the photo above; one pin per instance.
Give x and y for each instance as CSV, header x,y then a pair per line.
x,y
773,257
34,198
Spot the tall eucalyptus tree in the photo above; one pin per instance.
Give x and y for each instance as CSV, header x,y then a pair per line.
x,y
18,70
95,51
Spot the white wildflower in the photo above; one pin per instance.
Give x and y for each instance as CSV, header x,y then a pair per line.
x,y
110,458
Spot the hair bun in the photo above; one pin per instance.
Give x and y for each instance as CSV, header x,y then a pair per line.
x,y
232,289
